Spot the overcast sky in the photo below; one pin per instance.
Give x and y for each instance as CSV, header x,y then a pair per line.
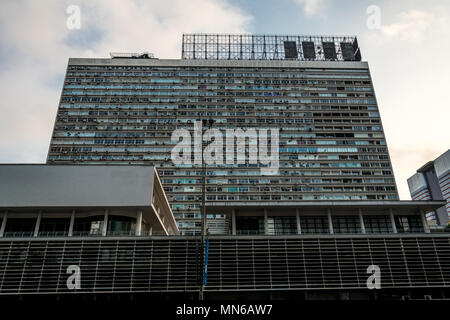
x,y
408,54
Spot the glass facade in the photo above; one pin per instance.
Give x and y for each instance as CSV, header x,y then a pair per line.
x,y
250,225
408,224
282,225
314,224
331,144
346,224
20,227
378,224
89,226
118,226
54,226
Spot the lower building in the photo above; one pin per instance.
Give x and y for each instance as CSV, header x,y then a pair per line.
x,y
432,182
49,201
94,232
325,217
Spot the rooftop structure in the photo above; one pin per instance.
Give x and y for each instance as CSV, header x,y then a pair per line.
x,y
270,47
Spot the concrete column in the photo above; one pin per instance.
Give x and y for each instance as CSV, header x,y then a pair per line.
x,y
266,225
105,224
394,227
150,232
423,216
38,224
330,221
361,221
2,228
139,223
72,222
299,226
233,222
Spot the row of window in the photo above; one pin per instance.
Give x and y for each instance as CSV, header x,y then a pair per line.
x,y
72,85
162,109
320,224
117,225
217,93
306,194
204,83
280,114
268,77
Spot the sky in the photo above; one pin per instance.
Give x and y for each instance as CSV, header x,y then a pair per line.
x,y
406,43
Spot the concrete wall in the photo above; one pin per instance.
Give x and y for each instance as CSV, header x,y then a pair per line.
x,y
74,186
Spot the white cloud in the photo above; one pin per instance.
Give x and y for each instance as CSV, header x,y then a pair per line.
x,y
311,7
411,26
35,45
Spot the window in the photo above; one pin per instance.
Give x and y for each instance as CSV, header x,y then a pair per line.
x,y
346,224
119,226
408,224
88,226
314,224
54,227
20,227
378,224
282,225
249,225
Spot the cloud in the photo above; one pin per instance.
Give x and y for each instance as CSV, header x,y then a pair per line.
x,y
411,26
35,45
311,7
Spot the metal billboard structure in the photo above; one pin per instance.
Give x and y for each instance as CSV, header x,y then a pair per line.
x,y
270,47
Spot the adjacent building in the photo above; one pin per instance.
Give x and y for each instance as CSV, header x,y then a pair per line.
x,y
82,201
314,89
432,182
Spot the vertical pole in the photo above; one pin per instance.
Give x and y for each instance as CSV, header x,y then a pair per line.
x,y
138,222
233,222
394,227
330,221
426,227
72,222
2,228
38,224
105,224
203,231
266,224
207,124
299,226
361,221
150,231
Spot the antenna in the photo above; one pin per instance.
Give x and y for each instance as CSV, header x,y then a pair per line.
x,y
128,55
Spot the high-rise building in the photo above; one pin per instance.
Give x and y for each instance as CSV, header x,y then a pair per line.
x,y
107,231
315,91
432,182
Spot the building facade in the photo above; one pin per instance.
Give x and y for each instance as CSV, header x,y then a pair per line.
x,y
314,90
107,233
432,182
